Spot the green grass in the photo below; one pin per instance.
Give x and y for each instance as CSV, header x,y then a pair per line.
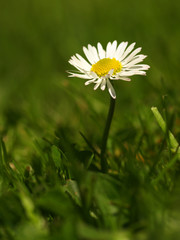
x,y
51,184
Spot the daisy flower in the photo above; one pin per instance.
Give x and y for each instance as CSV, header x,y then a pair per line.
x,y
115,63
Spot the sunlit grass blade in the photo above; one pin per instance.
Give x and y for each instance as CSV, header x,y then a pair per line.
x,y
174,145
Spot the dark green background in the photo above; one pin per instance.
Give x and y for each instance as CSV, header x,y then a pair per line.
x,y
37,39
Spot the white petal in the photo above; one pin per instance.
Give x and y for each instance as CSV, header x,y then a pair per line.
x,y
103,84
84,76
108,50
89,81
77,65
120,78
89,55
93,74
131,73
97,84
111,89
129,58
120,50
86,64
135,60
101,51
128,50
93,52
139,67
113,49
74,61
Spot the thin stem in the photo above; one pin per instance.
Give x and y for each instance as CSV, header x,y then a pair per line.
x,y
104,166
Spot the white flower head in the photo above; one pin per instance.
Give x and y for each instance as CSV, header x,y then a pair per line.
x,y
115,63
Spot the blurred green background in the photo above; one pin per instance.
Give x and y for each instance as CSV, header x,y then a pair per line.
x,y
38,38
38,100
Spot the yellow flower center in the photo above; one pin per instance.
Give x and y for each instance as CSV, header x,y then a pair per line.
x,y
103,66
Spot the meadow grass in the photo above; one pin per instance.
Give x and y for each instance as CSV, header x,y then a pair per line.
x,y
51,184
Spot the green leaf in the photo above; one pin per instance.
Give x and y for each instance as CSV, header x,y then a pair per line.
x,y
72,189
56,156
91,233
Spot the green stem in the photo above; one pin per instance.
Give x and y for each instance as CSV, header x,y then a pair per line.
x,y
104,166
